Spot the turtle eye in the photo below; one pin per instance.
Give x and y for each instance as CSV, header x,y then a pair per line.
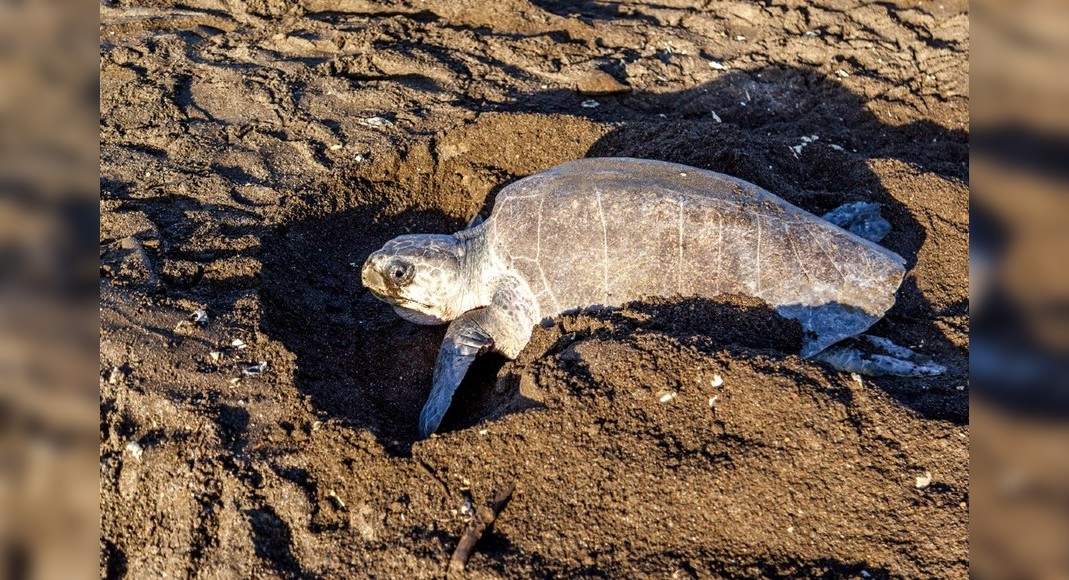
x,y
401,272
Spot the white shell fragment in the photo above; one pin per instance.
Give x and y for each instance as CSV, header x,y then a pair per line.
x,y
590,104
375,121
134,449
806,140
256,369
923,481
337,501
238,344
115,376
717,381
199,317
715,65
666,396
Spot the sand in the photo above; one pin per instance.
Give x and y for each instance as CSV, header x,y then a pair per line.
x,y
253,155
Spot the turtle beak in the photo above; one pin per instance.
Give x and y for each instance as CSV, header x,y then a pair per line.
x,y
369,274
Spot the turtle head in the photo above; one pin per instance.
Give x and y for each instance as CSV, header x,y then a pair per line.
x,y
421,276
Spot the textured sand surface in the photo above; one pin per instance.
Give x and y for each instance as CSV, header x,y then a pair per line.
x,y
252,154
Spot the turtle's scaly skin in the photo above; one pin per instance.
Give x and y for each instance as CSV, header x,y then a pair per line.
x,y
609,230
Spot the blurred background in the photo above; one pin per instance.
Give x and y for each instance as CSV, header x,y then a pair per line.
x,y
48,320
1019,252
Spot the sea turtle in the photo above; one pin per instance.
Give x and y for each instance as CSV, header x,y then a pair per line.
x,y
606,231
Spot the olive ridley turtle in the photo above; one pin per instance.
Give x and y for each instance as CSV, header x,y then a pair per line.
x,y
607,231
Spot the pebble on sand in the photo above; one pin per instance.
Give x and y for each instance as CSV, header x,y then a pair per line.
x,y
590,104
598,82
666,396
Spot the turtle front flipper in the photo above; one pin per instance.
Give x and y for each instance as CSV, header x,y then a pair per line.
x,y
464,340
505,326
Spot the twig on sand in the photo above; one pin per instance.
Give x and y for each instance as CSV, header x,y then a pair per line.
x,y
483,520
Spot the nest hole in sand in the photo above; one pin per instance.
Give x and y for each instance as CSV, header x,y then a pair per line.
x,y
359,361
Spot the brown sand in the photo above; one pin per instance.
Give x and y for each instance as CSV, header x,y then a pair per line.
x,y
251,155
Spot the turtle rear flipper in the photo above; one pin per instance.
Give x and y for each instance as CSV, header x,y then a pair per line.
x,y
827,324
862,219
878,356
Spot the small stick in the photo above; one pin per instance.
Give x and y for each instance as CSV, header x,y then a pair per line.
x,y
483,520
